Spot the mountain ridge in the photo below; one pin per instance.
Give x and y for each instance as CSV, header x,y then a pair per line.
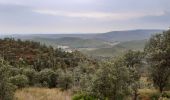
x,y
89,35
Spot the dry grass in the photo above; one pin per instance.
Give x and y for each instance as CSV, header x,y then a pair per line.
x,y
42,94
146,93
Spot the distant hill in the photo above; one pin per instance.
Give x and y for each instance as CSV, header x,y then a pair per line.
x,y
118,49
128,35
50,36
95,44
73,42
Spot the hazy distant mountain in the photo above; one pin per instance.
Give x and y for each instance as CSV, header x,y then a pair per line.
x,y
128,35
50,36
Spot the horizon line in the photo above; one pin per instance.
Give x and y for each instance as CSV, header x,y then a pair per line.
x,y
76,33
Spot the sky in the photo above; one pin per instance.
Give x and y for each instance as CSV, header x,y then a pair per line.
x,y
82,16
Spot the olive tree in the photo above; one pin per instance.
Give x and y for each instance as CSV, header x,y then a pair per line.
x,y
158,57
6,88
20,81
65,81
48,78
110,81
133,61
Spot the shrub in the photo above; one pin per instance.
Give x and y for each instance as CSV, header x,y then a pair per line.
x,y
6,88
65,81
31,75
166,94
19,80
48,78
155,96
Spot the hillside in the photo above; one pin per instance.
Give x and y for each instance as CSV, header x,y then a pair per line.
x,y
127,35
32,53
102,44
73,42
118,49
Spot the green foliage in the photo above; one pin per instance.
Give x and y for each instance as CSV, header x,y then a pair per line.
x,y
19,80
133,58
133,61
32,76
158,50
21,54
114,80
118,49
34,64
155,96
82,75
65,80
6,88
48,77
111,81
73,42
166,94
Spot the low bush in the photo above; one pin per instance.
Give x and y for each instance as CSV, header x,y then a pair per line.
x,y
166,95
155,96
19,80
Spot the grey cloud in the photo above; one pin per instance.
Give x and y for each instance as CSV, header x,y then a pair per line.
x,y
20,15
161,19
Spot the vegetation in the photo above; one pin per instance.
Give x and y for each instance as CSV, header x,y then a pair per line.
x,y
158,55
73,42
6,88
27,64
117,49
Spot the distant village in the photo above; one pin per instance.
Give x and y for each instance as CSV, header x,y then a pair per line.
x,y
65,48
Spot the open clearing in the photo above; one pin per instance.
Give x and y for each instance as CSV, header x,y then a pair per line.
x,y
42,94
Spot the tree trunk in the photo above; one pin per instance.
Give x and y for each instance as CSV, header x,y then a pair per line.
x,y
135,95
160,89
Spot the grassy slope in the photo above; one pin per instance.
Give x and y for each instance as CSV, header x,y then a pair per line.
x,y
73,42
118,49
82,43
104,49
135,45
42,94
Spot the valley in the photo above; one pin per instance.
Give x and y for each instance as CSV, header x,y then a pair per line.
x,y
107,44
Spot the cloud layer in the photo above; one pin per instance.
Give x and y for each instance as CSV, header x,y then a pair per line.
x,y
42,16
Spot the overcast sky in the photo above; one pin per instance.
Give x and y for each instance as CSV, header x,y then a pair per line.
x,y
85,16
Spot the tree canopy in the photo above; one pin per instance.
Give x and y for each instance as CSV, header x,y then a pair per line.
x,y
158,56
